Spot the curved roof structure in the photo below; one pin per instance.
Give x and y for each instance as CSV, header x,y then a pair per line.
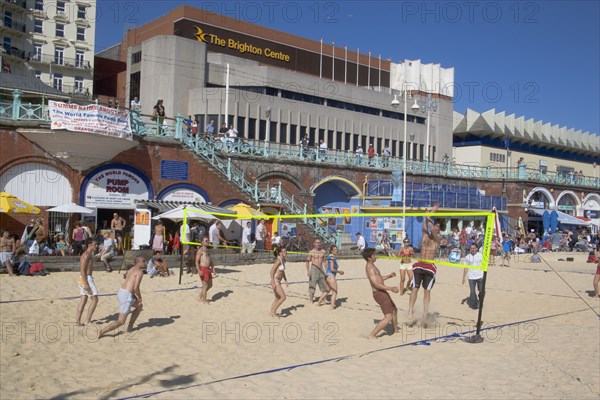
x,y
519,130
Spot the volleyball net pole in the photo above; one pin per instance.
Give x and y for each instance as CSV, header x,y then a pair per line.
x,y
492,224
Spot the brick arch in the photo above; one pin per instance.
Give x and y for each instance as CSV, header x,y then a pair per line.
x,y
591,197
572,194
546,192
285,176
72,177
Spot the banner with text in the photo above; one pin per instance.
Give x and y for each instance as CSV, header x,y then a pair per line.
x,y
93,118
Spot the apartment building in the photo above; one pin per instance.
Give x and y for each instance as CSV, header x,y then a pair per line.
x,y
50,40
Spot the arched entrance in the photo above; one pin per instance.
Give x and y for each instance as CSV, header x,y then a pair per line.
x,y
540,197
568,202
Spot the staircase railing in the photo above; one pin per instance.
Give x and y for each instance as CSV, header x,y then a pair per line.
x,y
216,152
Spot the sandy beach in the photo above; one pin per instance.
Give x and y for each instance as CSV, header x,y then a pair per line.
x,y
541,339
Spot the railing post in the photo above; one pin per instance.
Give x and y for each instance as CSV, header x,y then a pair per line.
x,y
304,214
338,239
256,190
179,127
16,103
278,192
229,168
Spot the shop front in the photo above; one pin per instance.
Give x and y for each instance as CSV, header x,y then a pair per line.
x,y
111,191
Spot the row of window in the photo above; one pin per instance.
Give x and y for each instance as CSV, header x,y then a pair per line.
x,y
59,58
307,98
344,140
57,81
59,31
497,157
61,8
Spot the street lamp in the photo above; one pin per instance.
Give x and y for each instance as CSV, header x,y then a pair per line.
x,y
415,107
429,106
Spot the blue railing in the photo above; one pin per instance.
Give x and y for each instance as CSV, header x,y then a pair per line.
x,y
175,128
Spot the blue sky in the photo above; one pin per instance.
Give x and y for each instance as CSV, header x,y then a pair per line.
x,y
538,59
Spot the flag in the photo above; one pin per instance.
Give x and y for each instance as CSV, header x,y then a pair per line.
x,y
497,226
507,142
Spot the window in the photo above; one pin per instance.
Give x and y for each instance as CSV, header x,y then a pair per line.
x,y
39,5
81,33
38,25
497,157
60,30
564,172
60,7
58,81
79,58
38,74
134,86
78,84
283,133
7,44
37,52
8,19
136,57
59,55
81,12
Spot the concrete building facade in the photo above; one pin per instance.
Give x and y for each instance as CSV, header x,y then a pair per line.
x,y
52,41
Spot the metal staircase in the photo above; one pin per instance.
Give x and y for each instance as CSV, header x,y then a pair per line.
x,y
217,154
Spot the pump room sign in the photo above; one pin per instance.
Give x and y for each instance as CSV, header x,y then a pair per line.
x,y
115,188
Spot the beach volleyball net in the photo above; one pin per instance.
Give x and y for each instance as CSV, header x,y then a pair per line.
x,y
384,231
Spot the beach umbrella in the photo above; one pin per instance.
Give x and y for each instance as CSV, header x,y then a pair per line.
x,y
244,211
71,208
176,215
12,205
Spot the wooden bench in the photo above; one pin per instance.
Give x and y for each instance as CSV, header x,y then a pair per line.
x,y
130,255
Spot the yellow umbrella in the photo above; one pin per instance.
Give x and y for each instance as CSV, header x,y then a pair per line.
x,y
12,205
244,211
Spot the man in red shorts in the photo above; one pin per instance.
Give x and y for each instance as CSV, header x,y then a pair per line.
x,y
424,271
205,267
380,294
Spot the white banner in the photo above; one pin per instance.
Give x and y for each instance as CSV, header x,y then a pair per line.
x,y
92,118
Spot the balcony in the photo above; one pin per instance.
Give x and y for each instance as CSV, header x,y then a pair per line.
x,y
19,5
61,16
12,26
13,53
65,62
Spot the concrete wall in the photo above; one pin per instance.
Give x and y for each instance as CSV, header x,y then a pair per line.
x,y
171,66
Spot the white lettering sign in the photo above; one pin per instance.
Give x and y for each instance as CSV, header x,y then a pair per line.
x,y
115,188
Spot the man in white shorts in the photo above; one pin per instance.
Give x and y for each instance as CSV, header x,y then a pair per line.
x,y
129,295
87,287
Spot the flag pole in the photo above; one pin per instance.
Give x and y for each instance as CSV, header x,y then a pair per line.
x,y
321,61
345,64
332,61
369,71
357,64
